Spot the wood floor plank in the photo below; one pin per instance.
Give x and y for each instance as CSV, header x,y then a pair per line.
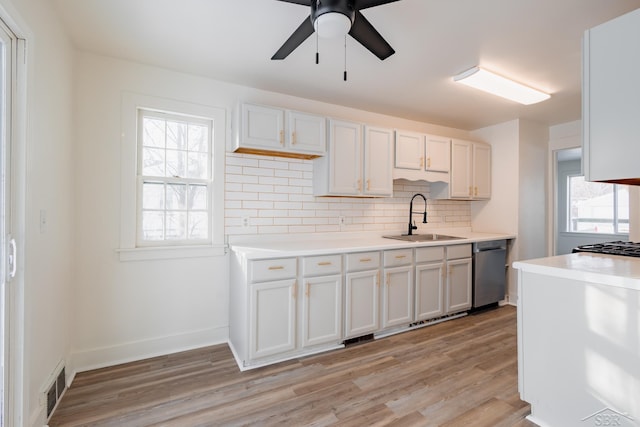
x,y
459,372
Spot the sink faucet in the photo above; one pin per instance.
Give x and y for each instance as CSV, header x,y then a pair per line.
x,y
412,226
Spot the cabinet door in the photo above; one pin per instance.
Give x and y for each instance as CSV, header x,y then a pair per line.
x,y
438,154
378,171
322,310
409,150
458,285
262,127
429,291
460,179
345,164
307,132
272,312
397,299
361,303
481,171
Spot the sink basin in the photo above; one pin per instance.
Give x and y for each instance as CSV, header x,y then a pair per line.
x,y
423,237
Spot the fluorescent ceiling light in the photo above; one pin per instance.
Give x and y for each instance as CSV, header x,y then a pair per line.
x,y
487,81
332,24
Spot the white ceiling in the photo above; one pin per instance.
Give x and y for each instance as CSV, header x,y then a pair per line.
x,y
537,42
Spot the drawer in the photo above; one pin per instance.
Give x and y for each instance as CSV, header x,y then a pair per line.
x,y
363,261
459,251
398,257
429,254
321,265
272,269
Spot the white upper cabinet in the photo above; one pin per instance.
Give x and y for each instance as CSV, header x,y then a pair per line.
x,y
417,155
470,172
355,166
270,130
610,109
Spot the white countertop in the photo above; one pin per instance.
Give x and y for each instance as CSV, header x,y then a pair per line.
x,y
612,270
257,247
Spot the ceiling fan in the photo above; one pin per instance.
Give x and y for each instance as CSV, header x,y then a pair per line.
x,y
338,17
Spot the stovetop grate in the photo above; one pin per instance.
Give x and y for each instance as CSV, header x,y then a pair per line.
x,y
612,248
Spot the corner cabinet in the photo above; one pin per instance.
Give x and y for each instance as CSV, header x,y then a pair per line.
x,y
355,165
470,172
273,131
610,108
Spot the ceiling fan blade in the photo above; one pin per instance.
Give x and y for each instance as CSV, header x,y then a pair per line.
x,y
302,2
301,34
367,36
365,4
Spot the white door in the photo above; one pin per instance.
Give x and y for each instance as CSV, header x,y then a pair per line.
x,y
458,285
361,303
262,127
438,155
397,300
345,165
460,185
322,310
307,132
481,171
409,150
9,221
429,291
378,171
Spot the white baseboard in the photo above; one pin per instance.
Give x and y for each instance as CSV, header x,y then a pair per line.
x,y
97,358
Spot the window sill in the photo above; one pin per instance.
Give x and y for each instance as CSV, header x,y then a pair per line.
x,y
170,252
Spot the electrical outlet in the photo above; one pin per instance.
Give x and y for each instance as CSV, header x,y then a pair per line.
x,y
245,221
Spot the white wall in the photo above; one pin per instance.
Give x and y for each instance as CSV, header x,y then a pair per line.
x,y
48,259
131,310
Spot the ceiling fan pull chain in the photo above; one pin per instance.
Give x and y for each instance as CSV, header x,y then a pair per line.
x,y
345,58
317,50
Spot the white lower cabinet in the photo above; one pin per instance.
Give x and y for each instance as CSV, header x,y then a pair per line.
x,y
361,294
429,291
397,288
459,277
272,314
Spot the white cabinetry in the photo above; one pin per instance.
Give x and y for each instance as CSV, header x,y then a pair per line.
x,y
610,109
459,277
429,292
470,172
397,289
362,281
322,300
269,130
355,166
418,154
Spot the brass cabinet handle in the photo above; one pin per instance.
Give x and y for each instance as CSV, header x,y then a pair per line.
x,y
276,267
428,162
294,139
324,263
470,191
307,290
421,161
365,259
388,275
294,290
281,137
359,185
475,191
400,256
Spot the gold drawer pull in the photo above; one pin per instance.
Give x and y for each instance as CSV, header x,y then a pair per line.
x,y
276,267
324,263
400,256
365,259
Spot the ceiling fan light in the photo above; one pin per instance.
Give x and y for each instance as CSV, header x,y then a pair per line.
x,y
332,24
487,81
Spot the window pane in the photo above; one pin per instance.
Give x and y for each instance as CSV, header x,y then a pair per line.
x,y
153,162
197,197
623,209
176,136
198,166
152,225
177,163
198,225
176,196
176,226
152,195
153,132
591,206
198,138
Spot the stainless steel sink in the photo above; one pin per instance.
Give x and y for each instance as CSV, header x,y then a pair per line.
x,y
423,237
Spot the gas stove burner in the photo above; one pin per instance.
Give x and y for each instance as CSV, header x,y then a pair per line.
x,y
612,248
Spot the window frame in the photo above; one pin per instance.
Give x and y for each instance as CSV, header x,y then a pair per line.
x,y
131,248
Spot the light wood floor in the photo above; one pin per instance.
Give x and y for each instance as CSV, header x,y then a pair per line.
x,y
458,373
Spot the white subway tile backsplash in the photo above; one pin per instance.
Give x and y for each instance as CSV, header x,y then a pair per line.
x,y
276,194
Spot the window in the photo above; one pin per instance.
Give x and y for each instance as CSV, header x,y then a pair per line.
x,y
174,179
596,207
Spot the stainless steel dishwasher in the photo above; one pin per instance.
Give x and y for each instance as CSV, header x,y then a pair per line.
x,y
489,276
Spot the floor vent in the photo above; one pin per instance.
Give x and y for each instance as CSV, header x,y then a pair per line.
x,y
54,389
358,340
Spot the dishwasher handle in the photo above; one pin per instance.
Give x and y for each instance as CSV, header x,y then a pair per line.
x,y
490,245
